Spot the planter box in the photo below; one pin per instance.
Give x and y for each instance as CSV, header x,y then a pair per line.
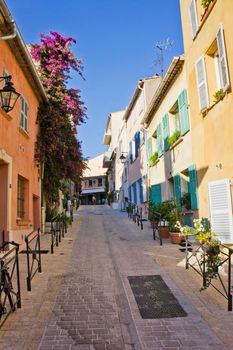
x,y
163,231
175,237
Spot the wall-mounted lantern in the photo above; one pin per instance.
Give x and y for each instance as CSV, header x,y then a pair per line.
x,y
123,158
8,95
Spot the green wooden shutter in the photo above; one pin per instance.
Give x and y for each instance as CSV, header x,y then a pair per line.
x,y
149,148
159,140
183,112
177,189
193,187
156,194
166,133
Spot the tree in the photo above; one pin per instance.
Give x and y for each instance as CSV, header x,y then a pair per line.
x,y
57,146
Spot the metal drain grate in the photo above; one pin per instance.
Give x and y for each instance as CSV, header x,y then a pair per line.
x,y
154,298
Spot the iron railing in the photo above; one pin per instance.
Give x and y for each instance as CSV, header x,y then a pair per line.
x,y
197,259
10,296
58,229
135,213
33,252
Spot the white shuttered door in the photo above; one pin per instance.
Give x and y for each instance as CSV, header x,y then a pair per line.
x,y
221,209
202,83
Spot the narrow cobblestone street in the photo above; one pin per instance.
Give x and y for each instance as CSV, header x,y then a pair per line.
x,y
90,305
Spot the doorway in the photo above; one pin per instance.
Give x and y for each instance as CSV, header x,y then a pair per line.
x,y
3,200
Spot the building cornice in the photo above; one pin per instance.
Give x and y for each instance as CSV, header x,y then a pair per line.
x,y
171,75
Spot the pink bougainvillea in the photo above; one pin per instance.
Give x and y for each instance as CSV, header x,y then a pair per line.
x,y
57,144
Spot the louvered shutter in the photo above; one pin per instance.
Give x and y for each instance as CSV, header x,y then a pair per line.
x,y
221,210
177,189
193,187
224,77
130,195
135,192
193,18
166,133
140,190
149,149
202,83
183,112
130,152
159,140
156,194
136,145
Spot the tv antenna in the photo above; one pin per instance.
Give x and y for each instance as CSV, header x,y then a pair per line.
x,y
162,46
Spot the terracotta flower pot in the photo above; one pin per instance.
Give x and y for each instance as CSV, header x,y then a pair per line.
x,y
175,237
163,231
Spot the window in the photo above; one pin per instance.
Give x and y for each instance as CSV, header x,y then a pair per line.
x,y
193,18
24,114
90,183
223,69
202,83
21,197
100,182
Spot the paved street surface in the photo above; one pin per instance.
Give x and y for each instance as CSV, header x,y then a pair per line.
x,y
82,300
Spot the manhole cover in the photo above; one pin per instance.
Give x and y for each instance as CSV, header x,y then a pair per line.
x,y
154,298
43,251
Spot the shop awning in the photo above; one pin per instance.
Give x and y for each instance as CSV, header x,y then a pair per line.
x,y
93,191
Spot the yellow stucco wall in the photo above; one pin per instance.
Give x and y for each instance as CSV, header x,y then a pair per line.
x,y
212,131
180,157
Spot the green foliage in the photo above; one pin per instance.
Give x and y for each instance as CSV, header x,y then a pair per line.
x,y
166,211
219,95
154,158
172,139
205,3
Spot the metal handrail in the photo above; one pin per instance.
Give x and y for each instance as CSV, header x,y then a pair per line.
x,y
35,253
10,297
200,266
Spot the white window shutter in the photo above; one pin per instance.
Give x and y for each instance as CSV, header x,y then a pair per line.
x,y
221,210
222,59
202,83
193,18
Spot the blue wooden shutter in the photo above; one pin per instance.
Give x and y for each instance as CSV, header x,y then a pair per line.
x,y
130,152
183,112
135,192
159,140
140,190
166,133
136,145
193,187
156,194
177,189
149,149
130,196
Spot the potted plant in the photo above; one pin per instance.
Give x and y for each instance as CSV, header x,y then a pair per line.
x,y
166,210
173,216
153,216
210,257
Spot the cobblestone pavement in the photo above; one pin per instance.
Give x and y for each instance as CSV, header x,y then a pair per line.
x,y
85,302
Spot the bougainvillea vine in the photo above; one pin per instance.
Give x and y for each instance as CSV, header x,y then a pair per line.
x,y
57,147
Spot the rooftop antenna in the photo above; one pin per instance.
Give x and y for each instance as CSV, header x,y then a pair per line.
x,y
162,46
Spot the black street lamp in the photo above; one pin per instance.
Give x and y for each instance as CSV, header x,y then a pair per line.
x,y
122,158
8,95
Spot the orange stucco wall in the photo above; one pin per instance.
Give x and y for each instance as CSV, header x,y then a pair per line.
x,y
18,145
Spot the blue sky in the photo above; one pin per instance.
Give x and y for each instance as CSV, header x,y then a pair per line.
x,y
116,40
